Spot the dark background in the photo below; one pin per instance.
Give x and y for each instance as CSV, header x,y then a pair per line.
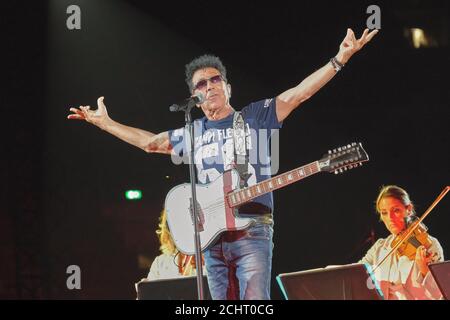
x,y
63,181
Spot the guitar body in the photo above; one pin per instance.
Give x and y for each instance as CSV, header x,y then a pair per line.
x,y
218,200
215,213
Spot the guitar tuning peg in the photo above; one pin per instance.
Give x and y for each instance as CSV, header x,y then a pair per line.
x,y
336,172
339,149
329,151
340,170
353,144
334,150
349,146
345,168
360,164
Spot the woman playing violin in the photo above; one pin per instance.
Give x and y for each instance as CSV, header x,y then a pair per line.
x,y
401,277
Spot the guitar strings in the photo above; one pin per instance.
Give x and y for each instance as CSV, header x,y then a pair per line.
x,y
220,203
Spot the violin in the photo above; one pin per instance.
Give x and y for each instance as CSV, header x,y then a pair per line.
x,y
414,236
186,264
419,237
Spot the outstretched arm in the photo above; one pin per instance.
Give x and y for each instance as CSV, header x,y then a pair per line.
x,y
292,98
145,140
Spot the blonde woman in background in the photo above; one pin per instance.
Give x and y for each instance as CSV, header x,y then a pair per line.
x,y
170,263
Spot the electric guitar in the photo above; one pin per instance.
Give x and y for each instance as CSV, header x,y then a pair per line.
x,y
217,202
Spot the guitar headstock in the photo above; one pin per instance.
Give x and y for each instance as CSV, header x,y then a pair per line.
x,y
344,158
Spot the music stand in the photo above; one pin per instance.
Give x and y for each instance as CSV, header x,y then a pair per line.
x,y
182,288
441,274
349,282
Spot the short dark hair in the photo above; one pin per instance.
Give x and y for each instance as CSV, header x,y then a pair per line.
x,y
202,62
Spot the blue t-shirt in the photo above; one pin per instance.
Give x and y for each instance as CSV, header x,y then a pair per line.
x,y
214,145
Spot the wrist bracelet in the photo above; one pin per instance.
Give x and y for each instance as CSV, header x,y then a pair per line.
x,y
336,64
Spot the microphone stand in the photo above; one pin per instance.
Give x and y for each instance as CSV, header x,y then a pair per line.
x,y
189,135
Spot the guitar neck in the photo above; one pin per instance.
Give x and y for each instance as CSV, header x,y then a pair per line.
x,y
242,196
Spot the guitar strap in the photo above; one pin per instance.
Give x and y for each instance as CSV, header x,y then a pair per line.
x,y
241,159
240,148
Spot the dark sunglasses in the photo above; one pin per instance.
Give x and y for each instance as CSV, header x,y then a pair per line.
x,y
203,83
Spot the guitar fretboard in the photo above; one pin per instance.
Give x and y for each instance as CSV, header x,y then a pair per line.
x,y
244,195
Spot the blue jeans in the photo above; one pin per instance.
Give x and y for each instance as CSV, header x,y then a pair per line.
x,y
249,254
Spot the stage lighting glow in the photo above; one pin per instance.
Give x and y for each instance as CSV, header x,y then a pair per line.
x,y
418,37
133,194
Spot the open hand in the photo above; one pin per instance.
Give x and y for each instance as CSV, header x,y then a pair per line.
x,y
97,117
350,44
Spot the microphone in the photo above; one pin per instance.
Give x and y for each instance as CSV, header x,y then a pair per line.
x,y
189,102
